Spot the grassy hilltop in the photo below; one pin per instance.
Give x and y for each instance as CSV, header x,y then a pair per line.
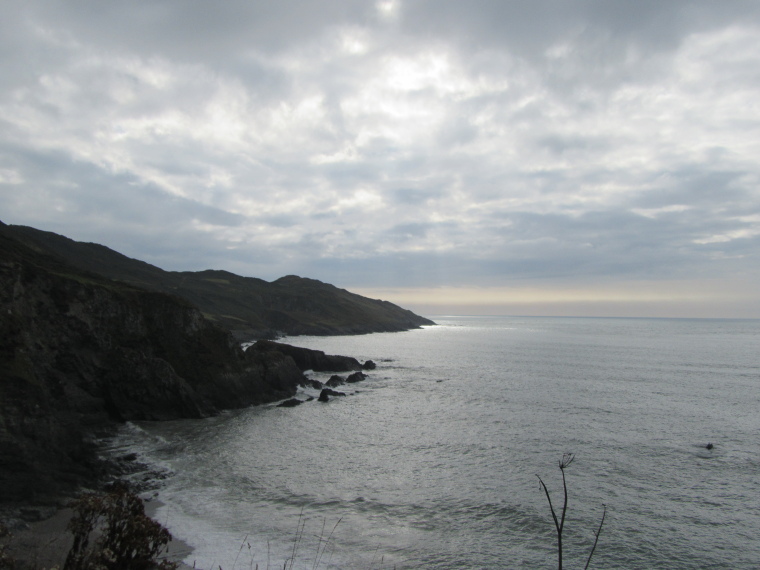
x,y
247,306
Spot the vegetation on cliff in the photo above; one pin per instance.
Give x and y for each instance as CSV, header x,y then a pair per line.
x,y
250,307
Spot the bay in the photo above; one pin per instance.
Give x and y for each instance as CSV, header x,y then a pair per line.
x,y
432,462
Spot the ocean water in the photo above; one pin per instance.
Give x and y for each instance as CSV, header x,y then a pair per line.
x,y
432,462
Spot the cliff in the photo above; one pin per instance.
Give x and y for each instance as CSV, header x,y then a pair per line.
x,y
247,306
79,352
83,347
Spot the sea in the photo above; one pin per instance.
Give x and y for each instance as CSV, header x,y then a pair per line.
x,y
436,459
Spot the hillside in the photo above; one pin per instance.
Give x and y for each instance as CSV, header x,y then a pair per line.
x,y
249,307
79,352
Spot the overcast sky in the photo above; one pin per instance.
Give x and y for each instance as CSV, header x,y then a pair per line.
x,y
559,157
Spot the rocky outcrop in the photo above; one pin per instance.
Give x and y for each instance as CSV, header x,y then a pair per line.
x,y
334,381
326,393
307,359
356,377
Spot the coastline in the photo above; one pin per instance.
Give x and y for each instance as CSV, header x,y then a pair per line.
x,y
45,543
177,550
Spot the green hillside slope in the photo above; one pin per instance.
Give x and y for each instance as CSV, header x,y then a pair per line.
x,y
249,307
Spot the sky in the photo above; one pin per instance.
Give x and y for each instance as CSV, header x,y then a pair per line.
x,y
552,157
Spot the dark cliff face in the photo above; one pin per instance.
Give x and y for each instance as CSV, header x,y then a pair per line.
x,y
78,351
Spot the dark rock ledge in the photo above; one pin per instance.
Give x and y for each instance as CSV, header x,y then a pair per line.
x,y
307,359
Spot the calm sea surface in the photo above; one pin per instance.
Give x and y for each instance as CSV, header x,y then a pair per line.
x,y
432,461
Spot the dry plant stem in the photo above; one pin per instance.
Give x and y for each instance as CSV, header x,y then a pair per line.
x,y
239,551
297,542
374,554
556,523
597,533
566,460
326,542
559,523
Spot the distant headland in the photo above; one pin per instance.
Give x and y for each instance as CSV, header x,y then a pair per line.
x,y
250,308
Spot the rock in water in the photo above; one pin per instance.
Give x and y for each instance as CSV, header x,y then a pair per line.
x,y
334,381
324,396
356,377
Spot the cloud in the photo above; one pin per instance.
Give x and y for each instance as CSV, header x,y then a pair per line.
x,y
422,143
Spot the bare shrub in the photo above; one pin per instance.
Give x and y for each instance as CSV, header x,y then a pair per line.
x,y
112,532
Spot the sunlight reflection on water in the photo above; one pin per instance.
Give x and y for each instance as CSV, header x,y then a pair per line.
x,y
432,461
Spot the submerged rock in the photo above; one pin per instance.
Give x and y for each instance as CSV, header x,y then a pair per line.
x,y
291,403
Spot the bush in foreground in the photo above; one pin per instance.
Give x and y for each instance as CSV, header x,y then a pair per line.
x,y
112,532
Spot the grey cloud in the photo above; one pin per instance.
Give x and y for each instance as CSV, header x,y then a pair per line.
x,y
458,130
191,30
559,144
410,230
713,195
412,196
279,221
601,243
531,28
533,246
116,210
460,143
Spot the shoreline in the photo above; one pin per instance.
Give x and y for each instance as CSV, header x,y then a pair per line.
x,y
42,543
177,550
45,543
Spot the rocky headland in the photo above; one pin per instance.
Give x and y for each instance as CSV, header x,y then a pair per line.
x,y
247,306
81,352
